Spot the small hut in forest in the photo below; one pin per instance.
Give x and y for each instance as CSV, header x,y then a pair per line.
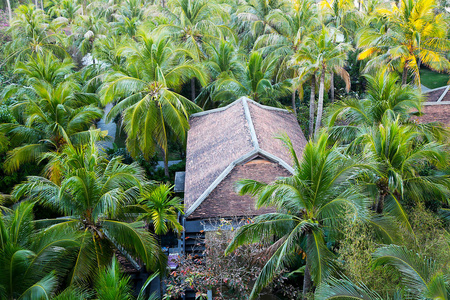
x,y
224,145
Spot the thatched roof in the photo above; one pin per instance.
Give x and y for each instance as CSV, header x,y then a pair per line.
x,y
437,107
221,140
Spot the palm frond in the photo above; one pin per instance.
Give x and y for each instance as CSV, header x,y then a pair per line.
x,y
344,289
416,271
137,241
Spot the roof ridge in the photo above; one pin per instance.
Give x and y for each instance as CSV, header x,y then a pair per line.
x,y
241,99
248,117
267,107
255,141
435,89
443,94
253,132
216,110
436,103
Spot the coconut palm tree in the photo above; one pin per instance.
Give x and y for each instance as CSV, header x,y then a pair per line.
x,y
223,60
314,201
385,97
253,18
48,114
66,9
421,278
258,82
400,153
106,50
147,94
87,29
31,262
320,49
132,8
110,283
307,67
126,26
346,290
32,33
341,15
46,68
291,30
8,4
92,193
192,24
413,34
160,209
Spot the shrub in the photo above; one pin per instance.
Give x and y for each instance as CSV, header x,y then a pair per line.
x,y
355,256
229,277
431,238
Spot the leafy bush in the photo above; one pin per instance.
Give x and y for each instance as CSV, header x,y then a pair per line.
x,y
355,256
8,181
123,152
4,24
158,172
229,277
153,171
431,239
5,115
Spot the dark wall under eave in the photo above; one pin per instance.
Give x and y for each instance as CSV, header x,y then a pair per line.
x,y
225,202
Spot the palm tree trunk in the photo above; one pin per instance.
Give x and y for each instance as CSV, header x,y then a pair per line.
x,y
320,102
380,204
307,282
163,3
8,3
404,75
83,7
193,89
42,4
36,4
166,164
332,87
312,100
294,107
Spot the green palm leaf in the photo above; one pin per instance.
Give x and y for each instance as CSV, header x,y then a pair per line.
x,y
344,289
135,239
41,290
416,271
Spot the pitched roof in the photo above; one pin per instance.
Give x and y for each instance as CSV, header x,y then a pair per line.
x,y
437,107
436,95
221,139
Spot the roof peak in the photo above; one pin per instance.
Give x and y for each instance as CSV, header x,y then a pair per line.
x,y
240,100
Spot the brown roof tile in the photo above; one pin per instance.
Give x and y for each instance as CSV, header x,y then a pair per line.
x,y
270,124
434,95
435,113
217,139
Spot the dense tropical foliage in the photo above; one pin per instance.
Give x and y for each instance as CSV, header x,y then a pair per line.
x,y
95,100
